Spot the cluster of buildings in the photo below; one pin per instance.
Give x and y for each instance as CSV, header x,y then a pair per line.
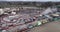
x,y
18,19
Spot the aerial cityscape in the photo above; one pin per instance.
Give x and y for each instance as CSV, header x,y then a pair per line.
x,y
29,16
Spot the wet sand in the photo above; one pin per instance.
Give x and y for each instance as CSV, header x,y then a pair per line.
x,y
49,27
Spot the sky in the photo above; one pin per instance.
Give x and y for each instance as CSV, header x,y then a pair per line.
x,y
32,0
